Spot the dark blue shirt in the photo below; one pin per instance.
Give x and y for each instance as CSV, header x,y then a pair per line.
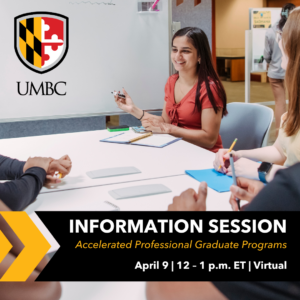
x,y
23,187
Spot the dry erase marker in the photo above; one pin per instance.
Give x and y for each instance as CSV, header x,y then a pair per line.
x,y
119,95
234,178
153,6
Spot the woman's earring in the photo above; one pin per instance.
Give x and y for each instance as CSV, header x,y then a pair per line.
x,y
199,62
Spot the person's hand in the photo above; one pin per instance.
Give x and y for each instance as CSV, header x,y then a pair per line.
x,y
125,104
190,200
245,168
151,118
222,159
156,126
62,166
246,189
40,162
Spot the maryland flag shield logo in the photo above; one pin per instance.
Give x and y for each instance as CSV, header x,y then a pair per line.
x,y
41,40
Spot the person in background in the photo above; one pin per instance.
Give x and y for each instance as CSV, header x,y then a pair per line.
x,y
27,178
195,99
273,55
24,290
286,150
282,194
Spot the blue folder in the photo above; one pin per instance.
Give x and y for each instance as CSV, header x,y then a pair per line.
x,y
215,180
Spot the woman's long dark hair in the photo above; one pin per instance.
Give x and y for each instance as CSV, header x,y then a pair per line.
x,y
286,9
206,71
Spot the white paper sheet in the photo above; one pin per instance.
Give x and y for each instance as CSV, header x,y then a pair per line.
x,y
156,140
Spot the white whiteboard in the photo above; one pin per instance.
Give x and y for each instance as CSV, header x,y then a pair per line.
x,y
111,46
258,37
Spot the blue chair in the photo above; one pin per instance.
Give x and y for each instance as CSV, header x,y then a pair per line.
x,y
250,123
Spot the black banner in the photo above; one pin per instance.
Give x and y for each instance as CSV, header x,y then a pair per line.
x,y
173,246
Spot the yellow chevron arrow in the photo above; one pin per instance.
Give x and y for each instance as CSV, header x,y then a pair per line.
x,y
35,246
5,246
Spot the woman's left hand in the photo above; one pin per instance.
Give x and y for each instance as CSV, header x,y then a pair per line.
x,y
245,168
156,126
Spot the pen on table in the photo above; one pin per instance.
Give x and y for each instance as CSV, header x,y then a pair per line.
x,y
120,95
229,150
234,177
140,137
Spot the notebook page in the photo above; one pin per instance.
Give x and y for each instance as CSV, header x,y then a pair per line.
x,y
156,140
125,137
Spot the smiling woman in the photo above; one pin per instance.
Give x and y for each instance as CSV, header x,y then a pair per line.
x,y
195,100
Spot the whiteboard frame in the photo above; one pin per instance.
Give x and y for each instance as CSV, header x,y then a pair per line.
x,y
107,113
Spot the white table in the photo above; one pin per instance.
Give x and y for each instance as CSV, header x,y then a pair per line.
x,y
78,192
90,199
88,154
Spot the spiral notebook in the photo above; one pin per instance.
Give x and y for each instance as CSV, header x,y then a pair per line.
x,y
156,140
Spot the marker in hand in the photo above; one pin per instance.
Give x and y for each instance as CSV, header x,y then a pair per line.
x,y
58,175
119,95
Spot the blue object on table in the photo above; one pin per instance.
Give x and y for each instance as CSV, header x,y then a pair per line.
x,y
215,180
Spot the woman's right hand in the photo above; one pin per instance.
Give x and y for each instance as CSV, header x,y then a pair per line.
x,y
125,104
222,159
62,165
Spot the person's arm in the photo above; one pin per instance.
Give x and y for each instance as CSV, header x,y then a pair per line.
x,y
138,113
268,49
10,169
246,189
62,165
282,194
164,118
206,137
18,194
247,167
128,106
273,154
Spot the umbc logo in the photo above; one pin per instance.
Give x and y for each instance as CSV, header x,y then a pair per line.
x,y
41,40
